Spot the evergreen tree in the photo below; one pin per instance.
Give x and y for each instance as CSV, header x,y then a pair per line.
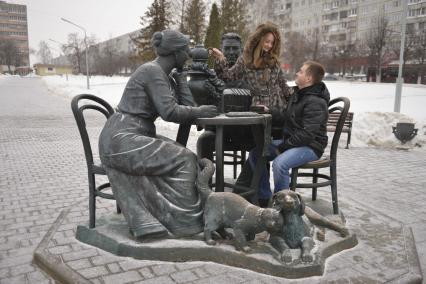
x,y
194,23
214,30
233,18
157,18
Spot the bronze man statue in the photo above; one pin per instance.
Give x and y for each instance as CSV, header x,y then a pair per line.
x,y
231,46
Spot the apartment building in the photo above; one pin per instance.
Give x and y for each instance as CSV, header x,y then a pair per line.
x,y
338,22
14,26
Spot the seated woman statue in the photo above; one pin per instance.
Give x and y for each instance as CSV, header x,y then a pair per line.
x,y
152,177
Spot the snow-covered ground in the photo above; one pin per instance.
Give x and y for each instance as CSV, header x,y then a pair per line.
x,y
372,104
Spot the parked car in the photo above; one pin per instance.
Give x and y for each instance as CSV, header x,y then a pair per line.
x,y
330,77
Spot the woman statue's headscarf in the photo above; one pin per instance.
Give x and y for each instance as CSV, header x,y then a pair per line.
x,y
168,42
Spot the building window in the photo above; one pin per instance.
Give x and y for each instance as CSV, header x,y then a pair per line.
x,y
412,13
50,69
353,12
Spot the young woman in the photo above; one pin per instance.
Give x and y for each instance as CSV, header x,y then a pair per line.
x,y
259,67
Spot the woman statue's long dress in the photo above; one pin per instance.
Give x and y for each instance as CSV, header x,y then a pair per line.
x,y
153,177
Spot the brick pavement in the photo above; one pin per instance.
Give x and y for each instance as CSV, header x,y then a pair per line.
x,y
43,172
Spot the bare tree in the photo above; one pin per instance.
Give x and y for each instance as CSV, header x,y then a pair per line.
x,y
179,6
107,59
420,54
74,49
376,43
316,44
409,45
44,53
9,54
297,50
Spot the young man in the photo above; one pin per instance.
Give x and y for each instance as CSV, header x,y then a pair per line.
x,y
304,130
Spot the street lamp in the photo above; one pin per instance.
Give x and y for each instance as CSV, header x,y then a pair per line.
x,y
398,91
85,43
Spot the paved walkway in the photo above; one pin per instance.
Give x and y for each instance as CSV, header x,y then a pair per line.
x,y
43,172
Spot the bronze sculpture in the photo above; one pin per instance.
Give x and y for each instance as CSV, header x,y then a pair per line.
x,y
234,137
153,177
228,210
296,232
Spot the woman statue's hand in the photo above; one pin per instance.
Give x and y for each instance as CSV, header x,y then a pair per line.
x,y
216,53
179,77
207,111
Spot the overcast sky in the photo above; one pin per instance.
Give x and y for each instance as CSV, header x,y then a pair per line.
x,y
102,18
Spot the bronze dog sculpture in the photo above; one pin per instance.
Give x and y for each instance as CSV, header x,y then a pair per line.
x,y
314,217
229,210
295,232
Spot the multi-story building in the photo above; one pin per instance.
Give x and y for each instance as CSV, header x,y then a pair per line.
x,y
14,27
339,25
339,22
122,46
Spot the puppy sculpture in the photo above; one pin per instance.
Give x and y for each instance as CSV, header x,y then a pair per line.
x,y
228,210
279,202
294,233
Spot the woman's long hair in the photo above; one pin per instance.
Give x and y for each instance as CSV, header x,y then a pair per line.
x,y
254,56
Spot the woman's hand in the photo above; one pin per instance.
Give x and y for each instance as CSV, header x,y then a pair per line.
x,y
216,53
180,77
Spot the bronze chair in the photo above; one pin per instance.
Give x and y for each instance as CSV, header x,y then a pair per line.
x,y
340,106
79,104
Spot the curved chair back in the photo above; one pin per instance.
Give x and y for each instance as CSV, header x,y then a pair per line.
x,y
338,105
79,104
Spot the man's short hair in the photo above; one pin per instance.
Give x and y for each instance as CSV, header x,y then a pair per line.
x,y
231,36
316,70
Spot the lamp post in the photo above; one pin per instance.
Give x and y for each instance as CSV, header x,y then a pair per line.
x,y
85,43
398,91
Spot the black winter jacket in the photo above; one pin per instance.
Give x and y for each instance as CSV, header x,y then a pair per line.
x,y
306,119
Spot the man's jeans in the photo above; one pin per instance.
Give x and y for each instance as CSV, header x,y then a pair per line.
x,y
281,164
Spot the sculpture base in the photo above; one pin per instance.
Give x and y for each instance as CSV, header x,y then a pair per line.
x,y
112,235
